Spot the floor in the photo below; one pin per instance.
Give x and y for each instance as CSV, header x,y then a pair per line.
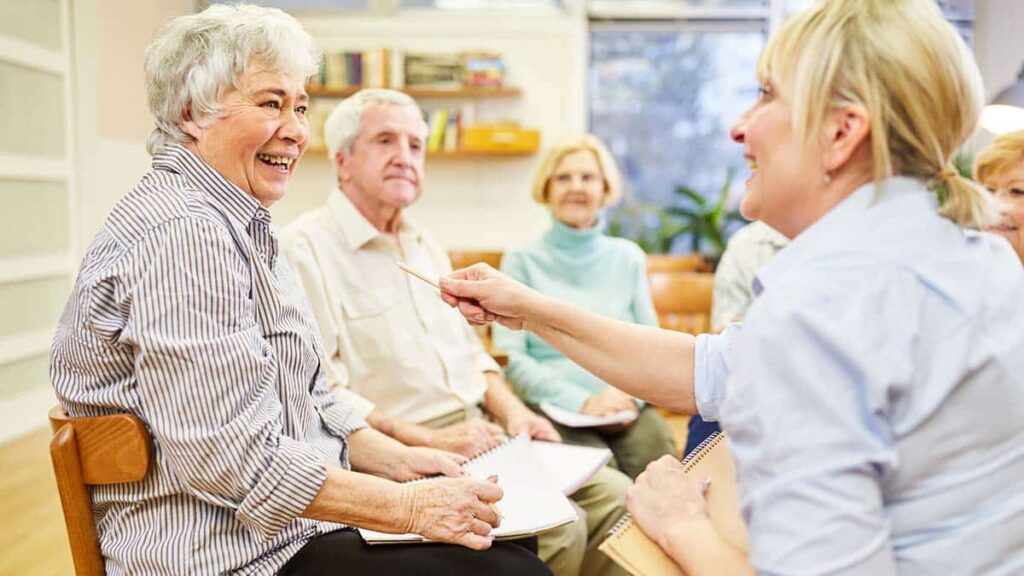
x,y
33,540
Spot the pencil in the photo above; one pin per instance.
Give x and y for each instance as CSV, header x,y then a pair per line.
x,y
432,280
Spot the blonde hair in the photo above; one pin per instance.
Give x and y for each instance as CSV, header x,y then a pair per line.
x,y
1004,153
588,142
908,68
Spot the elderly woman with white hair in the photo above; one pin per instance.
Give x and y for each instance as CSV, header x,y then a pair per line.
x,y
873,396
184,315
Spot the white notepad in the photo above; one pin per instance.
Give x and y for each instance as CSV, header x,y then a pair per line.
x,y
569,467
577,420
532,502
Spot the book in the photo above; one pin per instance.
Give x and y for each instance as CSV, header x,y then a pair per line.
x,y
438,123
630,548
570,466
578,420
532,502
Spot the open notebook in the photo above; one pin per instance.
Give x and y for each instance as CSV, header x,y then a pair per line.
x,y
533,501
569,467
640,556
572,419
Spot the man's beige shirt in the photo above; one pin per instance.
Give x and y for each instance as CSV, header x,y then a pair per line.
x,y
390,342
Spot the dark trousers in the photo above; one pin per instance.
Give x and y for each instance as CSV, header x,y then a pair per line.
x,y
698,431
344,552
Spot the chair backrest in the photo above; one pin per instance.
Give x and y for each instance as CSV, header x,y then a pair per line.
x,y
100,450
683,300
464,258
693,262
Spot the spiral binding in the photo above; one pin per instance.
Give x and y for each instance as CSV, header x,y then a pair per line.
x,y
472,460
688,462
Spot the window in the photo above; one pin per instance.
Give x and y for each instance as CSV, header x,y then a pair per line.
x,y
663,95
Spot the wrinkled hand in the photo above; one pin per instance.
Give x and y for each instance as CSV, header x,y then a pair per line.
x,y
482,295
420,462
538,427
608,402
467,438
451,510
664,500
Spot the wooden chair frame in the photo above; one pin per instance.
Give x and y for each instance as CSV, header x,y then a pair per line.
x,y
89,451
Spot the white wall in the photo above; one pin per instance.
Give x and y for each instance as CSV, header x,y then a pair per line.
x,y
999,42
472,203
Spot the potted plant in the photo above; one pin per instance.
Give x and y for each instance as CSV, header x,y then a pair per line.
x,y
655,228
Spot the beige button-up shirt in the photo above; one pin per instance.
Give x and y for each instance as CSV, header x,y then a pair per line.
x,y
390,341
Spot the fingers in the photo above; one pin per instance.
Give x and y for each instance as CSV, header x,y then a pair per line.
x,y
488,492
474,541
450,464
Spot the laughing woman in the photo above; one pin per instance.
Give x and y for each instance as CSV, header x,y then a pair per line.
x,y
873,395
575,260
1000,168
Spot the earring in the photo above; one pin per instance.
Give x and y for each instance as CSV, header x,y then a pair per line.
x,y
827,178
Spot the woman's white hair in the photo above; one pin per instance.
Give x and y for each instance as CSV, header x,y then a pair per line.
x,y
342,126
198,57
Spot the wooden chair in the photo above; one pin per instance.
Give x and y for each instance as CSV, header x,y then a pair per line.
x,y
683,300
464,258
693,262
101,450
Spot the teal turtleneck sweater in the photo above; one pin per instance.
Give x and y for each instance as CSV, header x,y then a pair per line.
x,y
587,268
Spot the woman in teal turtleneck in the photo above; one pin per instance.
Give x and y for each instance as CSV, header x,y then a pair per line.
x,y
576,261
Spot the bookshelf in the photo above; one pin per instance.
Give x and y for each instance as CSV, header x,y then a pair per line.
x,y
423,92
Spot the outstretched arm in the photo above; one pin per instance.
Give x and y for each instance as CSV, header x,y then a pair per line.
x,y
646,362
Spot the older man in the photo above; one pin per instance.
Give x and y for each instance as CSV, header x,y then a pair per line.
x,y
408,363
184,315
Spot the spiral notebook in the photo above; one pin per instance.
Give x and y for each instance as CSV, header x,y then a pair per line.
x,y
630,548
533,501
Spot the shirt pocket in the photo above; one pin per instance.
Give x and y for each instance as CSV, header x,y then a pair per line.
x,y
368,317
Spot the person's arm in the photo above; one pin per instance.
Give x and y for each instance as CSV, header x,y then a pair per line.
x,y
669,507
453,510
646,362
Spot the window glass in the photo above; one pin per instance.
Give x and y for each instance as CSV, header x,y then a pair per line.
x,y
663,101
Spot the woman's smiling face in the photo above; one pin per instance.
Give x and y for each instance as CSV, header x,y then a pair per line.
x,y
1008,188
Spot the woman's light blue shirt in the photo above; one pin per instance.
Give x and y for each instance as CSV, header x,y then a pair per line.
x,y
874,398
586,267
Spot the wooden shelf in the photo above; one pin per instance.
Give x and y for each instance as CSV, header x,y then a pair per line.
x,y
320,152
418,92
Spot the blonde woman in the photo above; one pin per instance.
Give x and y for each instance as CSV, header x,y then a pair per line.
x,y
873,395
575,260
1000,168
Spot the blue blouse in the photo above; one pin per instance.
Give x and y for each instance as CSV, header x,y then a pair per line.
x,y
603,274
874,396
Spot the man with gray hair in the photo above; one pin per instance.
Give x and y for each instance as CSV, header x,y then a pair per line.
x,y
394,350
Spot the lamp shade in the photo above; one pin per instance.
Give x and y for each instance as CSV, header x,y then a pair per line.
x,y
1006,112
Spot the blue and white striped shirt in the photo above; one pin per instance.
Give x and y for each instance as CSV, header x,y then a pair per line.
x,y
183,315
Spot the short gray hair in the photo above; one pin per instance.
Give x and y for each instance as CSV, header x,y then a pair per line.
x,y
198,57
342,125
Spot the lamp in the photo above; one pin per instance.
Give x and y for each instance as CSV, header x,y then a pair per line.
x,y
1006,112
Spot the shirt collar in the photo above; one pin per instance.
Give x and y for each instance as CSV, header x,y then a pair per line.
x,y
355,229
843,225
574,240
232,200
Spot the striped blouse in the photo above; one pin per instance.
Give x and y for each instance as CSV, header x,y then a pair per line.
x,y
183,315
